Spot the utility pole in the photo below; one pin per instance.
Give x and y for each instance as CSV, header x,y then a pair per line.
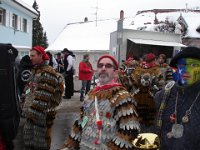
x,y
120,34
96,12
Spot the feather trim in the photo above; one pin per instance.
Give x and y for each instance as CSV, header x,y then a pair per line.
x,y
71,143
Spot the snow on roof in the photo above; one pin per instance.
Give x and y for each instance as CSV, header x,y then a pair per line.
x,y
85,36
25,5
145,21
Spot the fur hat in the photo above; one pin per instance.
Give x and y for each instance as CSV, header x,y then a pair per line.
x,y
188,52
110,57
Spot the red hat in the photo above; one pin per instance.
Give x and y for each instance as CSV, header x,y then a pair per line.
x,y
41,49
150,57
110,57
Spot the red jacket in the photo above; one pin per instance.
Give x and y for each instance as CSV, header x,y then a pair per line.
x,y
85,71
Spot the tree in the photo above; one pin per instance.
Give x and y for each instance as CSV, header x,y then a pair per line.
x,y
39,37
166,26
45,40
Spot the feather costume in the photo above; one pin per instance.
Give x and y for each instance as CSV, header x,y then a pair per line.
x,y
45,93
146,83
111,120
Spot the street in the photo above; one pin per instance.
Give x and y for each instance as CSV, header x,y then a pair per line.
x,y
68,111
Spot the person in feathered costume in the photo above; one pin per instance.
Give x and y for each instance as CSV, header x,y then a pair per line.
x,y
146,82
108,119
43,95
143,82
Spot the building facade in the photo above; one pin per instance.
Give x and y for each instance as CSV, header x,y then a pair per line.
x,y
166,20
16,18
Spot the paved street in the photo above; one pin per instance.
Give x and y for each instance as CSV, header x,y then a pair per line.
x,y
68,111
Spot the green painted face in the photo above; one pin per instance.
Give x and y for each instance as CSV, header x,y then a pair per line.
x,y
188,71
193,69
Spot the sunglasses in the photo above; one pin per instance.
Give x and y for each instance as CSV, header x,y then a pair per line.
x,y
100,65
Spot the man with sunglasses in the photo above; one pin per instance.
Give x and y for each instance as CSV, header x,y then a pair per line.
x,y
179,104
108,118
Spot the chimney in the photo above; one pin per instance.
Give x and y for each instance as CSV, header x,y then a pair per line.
x,y
86,19
121,14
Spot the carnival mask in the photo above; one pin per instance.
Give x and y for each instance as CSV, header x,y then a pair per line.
x,y
188,71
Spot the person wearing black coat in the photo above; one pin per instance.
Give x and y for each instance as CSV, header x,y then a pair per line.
x,y
179,104
24,73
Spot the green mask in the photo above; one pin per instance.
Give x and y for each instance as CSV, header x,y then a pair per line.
x,y
188,71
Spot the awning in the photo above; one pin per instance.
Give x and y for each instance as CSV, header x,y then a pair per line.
x,y
155,42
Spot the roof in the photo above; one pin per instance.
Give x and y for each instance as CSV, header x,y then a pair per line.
x,y
19,4
90,35
156,42
144,20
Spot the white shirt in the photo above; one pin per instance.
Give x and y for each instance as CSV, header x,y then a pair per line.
x,y
55,64
70,60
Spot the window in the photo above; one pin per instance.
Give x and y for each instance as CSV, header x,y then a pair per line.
x,y
14,21
24,25
2,16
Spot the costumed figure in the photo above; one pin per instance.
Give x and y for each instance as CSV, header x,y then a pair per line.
x,y
108,119
142,83
43,95
125,73
179,103
146,83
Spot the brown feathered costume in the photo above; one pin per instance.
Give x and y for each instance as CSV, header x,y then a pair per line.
x,y
44,94
145,83
117,125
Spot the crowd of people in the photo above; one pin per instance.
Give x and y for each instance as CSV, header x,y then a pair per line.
x,y
140,96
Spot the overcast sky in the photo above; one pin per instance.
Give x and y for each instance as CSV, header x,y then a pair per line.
x,y
55,14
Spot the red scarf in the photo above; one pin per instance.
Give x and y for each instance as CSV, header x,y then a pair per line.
x,y
106,87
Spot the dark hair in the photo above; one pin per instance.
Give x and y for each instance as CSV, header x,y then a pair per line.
x,y
163,56
58,54
49,54
65,50
25,61
85,56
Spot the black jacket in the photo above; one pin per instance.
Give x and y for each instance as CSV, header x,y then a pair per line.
x,y
190,139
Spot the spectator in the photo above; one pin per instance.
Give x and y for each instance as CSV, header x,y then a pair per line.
x,y
85,75
68,73
24,73
60,63
52,61
150,59
165,68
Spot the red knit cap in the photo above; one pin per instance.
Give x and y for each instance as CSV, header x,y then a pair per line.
x,y
41,49
150,57
110,57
